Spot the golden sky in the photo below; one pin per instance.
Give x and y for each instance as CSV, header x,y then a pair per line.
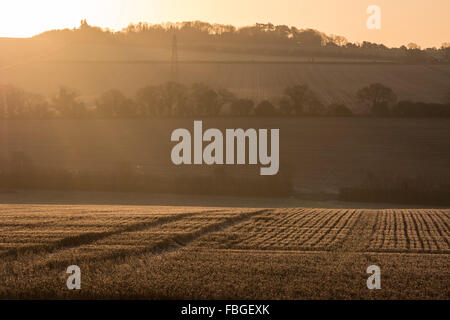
x,y
425,22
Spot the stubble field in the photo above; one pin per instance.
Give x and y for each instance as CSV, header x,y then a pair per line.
x,y
222,253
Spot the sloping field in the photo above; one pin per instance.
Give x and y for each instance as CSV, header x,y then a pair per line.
x,y
20,51
42,67
333,82
195,252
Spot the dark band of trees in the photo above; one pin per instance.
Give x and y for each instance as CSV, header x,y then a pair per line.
x,y
258,39
177,100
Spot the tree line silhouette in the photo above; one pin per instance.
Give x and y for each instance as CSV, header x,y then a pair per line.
x,y
173,99
420,189
258,39
21,172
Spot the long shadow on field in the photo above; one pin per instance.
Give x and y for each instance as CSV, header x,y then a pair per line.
x,y
87,238
169,244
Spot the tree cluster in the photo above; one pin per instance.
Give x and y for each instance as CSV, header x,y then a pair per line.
x,y
173,99
170,99
261,38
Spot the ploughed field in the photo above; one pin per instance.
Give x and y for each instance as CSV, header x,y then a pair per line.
x,y
216,252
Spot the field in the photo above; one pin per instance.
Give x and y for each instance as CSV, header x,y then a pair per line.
x,y
200,252
153,246
320,155
95,69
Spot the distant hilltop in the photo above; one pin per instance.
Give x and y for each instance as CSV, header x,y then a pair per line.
x,y
261,38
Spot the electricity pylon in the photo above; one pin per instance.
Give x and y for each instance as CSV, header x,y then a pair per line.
x,y
174,62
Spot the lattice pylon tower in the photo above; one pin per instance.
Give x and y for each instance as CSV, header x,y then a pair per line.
x,y
174,61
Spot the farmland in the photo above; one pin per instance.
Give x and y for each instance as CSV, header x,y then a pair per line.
x,y
95,69
320,155
334,82
159,251
148,245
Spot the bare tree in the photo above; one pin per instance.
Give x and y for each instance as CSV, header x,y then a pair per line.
x,y
68,104
148,101
242,107
378,98
301,99
206,100
265,108
113,103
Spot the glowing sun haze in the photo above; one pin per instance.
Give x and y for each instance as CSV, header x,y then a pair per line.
x,y
425,22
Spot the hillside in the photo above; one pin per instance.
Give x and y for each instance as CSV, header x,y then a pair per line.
x,y
95,69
